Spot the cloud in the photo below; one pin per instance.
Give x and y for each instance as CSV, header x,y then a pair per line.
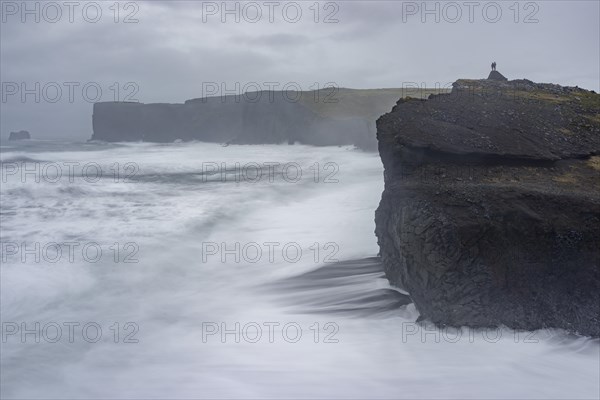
x,y
273,40
176,46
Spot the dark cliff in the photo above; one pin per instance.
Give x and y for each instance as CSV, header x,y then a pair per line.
x,y
491,209
20,135
343,117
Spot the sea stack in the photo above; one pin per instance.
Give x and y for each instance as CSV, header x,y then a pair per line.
x,y
21,135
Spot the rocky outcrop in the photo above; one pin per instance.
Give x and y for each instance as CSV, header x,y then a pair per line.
x,y
21,135
496,76
343,117
491,209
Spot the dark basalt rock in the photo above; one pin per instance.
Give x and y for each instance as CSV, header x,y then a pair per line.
x,y
21,135
491,208
497,76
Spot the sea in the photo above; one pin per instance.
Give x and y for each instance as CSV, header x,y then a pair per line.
x,y
202,271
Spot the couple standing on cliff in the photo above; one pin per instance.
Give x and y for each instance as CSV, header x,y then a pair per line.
x,y
494,66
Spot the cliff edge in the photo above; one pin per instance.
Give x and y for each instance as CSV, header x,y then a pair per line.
x,y
491,209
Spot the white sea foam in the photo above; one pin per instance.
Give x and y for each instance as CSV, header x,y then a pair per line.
x,y
168,210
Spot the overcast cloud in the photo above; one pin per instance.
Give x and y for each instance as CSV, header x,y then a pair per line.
x,y
176,46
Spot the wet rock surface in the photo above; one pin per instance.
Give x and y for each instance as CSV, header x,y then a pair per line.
x,y
347,288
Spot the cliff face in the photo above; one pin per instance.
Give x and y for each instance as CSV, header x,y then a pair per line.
x,y
491,208
210,120
344,117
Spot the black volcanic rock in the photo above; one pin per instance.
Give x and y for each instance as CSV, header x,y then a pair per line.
x,y
496,76
21,135
491,208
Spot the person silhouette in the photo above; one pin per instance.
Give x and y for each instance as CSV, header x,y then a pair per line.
x,y
494,66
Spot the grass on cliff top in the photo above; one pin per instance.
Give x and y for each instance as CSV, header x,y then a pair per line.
x,y
594,163
587,100
369,103
582,175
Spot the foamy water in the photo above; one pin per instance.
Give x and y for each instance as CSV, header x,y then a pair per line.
x,y
167,284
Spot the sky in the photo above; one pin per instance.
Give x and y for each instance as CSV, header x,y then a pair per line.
x,y
58,58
